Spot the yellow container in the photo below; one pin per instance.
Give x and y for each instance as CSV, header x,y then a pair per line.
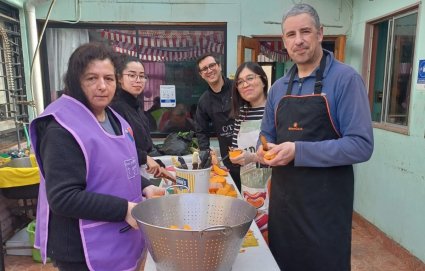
x,y
20,172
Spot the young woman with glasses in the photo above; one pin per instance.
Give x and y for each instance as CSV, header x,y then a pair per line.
x,y
249,94
131,84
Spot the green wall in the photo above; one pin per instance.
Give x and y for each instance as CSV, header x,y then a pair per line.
x,y
243,17
390,188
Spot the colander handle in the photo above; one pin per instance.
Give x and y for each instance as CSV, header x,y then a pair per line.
x,y
226,230
175,185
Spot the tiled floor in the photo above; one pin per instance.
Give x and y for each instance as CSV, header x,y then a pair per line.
x,y
371,251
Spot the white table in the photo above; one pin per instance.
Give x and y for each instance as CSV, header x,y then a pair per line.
x,y
252,258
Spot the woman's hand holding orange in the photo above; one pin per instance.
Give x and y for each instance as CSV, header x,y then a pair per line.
x,y
242,158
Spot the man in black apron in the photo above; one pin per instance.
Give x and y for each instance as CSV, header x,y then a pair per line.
x,y
318,121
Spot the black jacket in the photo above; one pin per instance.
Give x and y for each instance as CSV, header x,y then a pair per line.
x,y
213,112
131,109
213,115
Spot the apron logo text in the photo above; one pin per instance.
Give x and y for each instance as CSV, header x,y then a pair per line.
x,y
295,127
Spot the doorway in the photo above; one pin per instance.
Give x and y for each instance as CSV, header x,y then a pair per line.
x,y
269,51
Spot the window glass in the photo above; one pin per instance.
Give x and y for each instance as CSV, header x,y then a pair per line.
x,y
391,68
168,53
403,37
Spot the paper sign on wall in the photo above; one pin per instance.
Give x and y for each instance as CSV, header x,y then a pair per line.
x,y
167,94
421,75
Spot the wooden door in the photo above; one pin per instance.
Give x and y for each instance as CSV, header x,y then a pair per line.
x,y
336,45
248,49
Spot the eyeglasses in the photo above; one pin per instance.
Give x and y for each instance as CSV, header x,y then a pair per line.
x,y
134,77
209,66
249,79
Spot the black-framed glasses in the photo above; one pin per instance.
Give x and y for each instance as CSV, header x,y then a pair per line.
x,y
210,66
133,77
249,79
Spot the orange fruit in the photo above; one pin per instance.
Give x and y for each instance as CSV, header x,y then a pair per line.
x,y
269,156
218,179
187,227
214,186
232,193
234,153
219,171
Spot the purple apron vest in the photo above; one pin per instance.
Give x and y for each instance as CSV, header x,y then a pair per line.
x,y
112,169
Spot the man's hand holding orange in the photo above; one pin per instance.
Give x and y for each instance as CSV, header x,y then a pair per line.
x,y
277,155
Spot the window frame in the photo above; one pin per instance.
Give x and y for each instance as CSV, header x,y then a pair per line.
x,y
369,67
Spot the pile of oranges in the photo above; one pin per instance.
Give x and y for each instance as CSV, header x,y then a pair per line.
x,y
185,227
218,183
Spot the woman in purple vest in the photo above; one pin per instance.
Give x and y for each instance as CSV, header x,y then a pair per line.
x,y
90,178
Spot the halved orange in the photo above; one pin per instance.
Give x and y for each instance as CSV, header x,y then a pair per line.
x,y
234,153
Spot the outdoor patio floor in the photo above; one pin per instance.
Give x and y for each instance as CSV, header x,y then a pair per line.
x,y
371,251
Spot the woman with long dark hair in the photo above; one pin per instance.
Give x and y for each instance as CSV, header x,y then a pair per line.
x,y
249,94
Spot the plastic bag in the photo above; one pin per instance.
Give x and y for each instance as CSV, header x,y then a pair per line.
x,y
177,144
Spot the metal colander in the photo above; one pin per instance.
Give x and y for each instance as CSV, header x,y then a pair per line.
x,y
219,224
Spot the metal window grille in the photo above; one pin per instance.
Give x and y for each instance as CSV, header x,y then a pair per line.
x,y
13,98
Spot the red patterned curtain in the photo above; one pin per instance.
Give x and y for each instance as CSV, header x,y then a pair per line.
x,y
165,45
274,50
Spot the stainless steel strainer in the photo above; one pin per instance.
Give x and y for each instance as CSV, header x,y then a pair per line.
x,y
219,224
